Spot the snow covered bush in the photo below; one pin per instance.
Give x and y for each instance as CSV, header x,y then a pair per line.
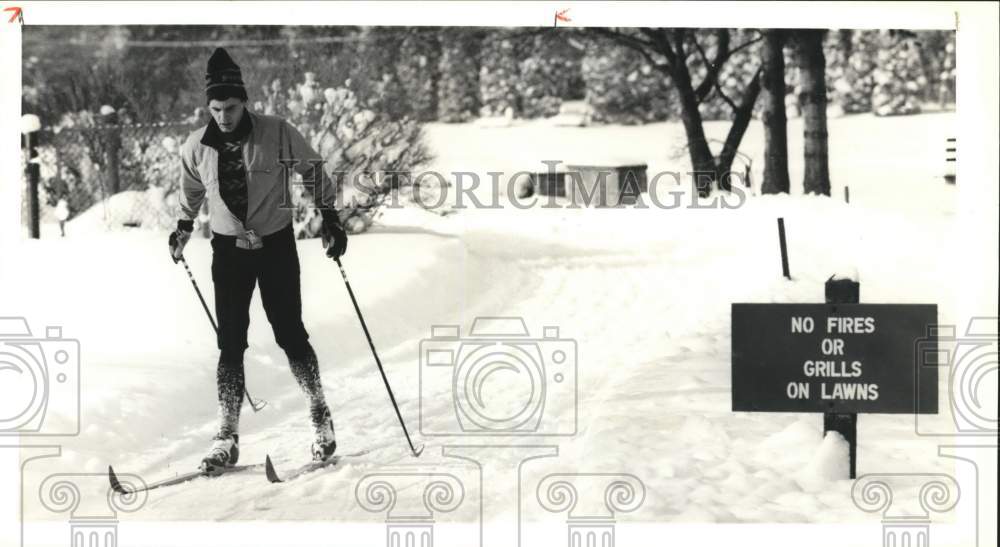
x,y
859,66
549,74
67,174
622,87
418,72
70,162
889,72
160,159
947,74
499,73
899,77
369,154
355,138
458,84
538,90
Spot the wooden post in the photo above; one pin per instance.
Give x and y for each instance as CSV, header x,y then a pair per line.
x,y
33,171
113,143
847,194
844,291
784,248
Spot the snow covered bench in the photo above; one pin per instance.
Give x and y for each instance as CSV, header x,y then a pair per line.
x,y
604,184
549,183
599,185
607,184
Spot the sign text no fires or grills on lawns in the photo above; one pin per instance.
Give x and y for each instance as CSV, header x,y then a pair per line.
x,y
847,358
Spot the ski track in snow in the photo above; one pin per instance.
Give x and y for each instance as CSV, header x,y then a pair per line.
x,y
645,293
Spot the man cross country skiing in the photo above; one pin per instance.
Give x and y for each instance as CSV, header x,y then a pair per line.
x,y
234,163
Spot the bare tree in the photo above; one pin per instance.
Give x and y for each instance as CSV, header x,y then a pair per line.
x,y
668,51
813,102
773,113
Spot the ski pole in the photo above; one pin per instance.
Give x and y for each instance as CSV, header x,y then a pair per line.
x,y
255,405
416,452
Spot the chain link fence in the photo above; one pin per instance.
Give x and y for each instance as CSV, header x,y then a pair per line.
x,y
107,175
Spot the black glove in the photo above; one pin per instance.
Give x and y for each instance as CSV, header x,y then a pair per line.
x,y
179,238
333,234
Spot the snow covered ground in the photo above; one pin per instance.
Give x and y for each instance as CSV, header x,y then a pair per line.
x,y
645,293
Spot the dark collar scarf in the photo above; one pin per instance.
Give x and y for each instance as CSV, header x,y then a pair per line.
x,y
214,136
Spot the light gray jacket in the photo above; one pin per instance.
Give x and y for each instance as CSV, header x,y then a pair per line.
x,y
269,200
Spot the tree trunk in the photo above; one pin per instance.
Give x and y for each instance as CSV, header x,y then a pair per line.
x,y
773,115
846,38
702,161
672,46
741,120
813,80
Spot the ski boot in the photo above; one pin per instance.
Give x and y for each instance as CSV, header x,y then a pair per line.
x,y
325,443
225,453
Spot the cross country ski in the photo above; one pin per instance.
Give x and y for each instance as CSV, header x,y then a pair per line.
x,y
272,474
117,486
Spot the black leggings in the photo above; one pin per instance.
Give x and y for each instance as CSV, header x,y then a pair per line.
x,y
235,273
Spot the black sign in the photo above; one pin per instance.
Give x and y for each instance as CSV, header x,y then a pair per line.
x,y
846,358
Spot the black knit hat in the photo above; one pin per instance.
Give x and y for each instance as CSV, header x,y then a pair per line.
x,y
223,76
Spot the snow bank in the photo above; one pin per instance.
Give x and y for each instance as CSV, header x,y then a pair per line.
x,y
149,209
829,463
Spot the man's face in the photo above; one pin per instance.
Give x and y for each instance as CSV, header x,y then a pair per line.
x,y
226,113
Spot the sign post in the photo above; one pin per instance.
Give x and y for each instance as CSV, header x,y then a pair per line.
x,y
784,249
840,359
844,291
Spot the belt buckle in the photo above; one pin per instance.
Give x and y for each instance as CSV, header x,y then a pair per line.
x,y
252,241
